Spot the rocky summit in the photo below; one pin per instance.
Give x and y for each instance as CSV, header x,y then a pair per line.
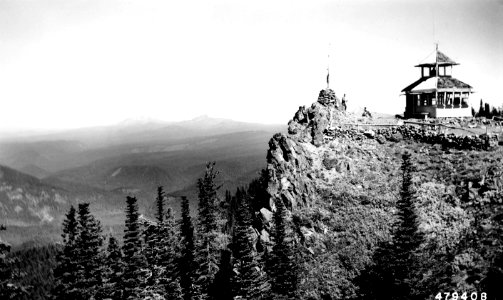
x,y
339,174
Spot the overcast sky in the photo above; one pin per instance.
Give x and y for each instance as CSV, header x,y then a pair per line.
x,y
77,63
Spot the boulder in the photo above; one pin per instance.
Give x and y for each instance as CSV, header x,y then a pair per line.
x,y
381,139
266,215
370,134
265,237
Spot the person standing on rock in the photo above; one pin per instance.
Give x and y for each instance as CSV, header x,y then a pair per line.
x,y
344,102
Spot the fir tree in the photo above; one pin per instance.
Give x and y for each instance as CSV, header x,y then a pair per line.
x,y
168,258
153,250
395,263
187,265
89,258
487,111
250,281
152,236
207,194
222,288
406,237
207,248
113,271
282,262
230,208
481,113
65,272
161,252
150,250
152,240
160,204
135,265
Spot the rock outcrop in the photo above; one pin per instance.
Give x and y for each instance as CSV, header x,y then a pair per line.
x,y
290,157
308,124
295,159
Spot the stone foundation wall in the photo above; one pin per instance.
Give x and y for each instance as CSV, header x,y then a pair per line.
x,y
407,132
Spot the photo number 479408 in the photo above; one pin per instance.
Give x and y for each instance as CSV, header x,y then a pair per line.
x,y
461,296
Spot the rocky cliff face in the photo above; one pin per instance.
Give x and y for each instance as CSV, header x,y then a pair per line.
x,y
294,158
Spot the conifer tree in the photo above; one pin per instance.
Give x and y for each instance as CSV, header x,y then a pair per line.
x,y
89,258
187,265
283,264
207,248
151,249
250,281
481,113
222,288
113,270
161,252
395,263
487,111
406,236
134,262
151,233
168,258
160,204
230,209
65,272
207,194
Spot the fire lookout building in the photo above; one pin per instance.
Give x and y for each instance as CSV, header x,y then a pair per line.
x,y
437,94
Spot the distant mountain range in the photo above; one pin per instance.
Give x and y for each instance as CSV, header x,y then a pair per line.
x,y
42,154
43,174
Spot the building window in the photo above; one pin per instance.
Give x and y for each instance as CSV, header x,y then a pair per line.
x,y
448,71
457,100
426,72
425,99
464,99
440,98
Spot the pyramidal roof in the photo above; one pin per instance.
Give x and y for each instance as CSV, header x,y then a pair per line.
x,y
441,59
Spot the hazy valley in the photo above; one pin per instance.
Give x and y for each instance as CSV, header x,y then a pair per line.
x,y
41,175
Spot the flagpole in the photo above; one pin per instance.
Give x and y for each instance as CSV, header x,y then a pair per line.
x,y
328,68
436,74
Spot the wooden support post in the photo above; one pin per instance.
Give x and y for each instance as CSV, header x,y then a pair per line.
x,y
452,104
